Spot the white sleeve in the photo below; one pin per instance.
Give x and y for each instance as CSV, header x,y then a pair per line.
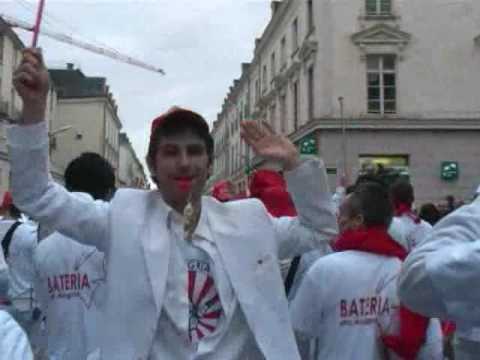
x,y
306,307
14,343
316,223
22,247
438,277
40,283
34,192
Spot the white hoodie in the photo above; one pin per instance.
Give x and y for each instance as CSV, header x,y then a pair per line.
x,y
70,285
13,341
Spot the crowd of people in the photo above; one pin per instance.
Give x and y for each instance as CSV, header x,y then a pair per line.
x,y
290,271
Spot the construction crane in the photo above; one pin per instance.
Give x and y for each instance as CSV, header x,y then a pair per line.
x,y
15,23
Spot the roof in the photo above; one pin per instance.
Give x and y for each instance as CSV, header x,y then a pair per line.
x,y
7,30
73,83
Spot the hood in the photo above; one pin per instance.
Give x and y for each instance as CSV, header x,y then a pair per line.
x,y
269,187
266,179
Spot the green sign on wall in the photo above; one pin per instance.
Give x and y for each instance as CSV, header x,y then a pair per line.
x,y
308,145
449,170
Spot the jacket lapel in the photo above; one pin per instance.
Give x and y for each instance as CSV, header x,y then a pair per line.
x,y
252,269
156,246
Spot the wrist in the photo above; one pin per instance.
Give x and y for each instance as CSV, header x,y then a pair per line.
x,y
33,113
292,163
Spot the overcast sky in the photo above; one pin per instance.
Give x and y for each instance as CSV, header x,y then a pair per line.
x,y
200,44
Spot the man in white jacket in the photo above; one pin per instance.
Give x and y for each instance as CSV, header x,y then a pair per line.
x,y
348,300
70,277
415,229
187,276
19,240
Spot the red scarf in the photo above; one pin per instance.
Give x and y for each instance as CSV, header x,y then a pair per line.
x,y
406,209
413,327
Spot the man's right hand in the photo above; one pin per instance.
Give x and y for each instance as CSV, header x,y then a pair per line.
x,y
31,81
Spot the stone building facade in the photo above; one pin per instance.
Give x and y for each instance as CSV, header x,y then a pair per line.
x,y
87,118
365,82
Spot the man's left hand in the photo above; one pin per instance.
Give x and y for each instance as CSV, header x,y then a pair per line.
x,y
269,145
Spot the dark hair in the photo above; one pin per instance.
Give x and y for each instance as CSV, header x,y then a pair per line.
x,y
371,178
402,191
372,201
350,189
430,213
14,212
92,174
171,128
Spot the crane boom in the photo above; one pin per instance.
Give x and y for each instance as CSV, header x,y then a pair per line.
x,y
82,44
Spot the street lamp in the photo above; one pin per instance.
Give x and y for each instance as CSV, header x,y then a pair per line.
x,y
60,130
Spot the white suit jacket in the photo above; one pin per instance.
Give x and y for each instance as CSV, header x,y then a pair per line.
x,y
131,230
440,276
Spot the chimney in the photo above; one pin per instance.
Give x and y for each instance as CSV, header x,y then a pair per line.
x,y
70,66
275,5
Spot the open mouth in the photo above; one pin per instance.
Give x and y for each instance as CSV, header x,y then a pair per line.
x,y
184,183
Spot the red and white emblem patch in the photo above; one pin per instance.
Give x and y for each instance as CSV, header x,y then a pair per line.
x,y
205,306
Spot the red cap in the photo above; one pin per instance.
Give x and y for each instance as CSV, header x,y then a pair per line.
x,y
175,114
7,201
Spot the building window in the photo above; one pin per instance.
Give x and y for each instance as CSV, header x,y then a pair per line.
x,y
295,105
257,90
246,110
310,18
272,120
311,93
387,167
381,83
295,35
273,66
283,52
283,114
2,41
264,78
379,7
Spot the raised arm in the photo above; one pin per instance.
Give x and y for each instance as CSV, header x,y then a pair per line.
x,y
439,277
316,222
33,190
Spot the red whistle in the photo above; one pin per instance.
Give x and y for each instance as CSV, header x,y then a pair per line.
x,y
184,184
